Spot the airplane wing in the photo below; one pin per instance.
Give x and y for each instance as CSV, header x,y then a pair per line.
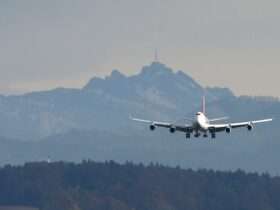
x,y
249,124
176,127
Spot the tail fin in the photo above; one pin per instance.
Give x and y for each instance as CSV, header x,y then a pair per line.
x,y
203,105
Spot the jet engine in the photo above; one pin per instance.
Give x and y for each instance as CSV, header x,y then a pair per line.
x,y
172,130
152,127
228,129
250,127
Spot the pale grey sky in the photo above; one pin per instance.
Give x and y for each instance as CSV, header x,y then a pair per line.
x,y
229,43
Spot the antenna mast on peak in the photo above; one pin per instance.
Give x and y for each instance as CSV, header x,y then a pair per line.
x,y
156,55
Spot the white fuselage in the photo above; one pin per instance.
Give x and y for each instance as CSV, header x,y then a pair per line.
x,y
202,122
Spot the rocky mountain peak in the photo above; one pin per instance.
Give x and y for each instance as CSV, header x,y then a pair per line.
x,y
156,69
116,75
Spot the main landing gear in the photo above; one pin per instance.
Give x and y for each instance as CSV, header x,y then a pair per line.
x,y
205,135
196,135
213,135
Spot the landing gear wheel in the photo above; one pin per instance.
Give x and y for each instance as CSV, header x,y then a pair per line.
x,y
213,135
188,135
197,135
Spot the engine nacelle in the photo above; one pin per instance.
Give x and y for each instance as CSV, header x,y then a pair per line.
x,y
250,127
152,127
172,130
189,130
228,129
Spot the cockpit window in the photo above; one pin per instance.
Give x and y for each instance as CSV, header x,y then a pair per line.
x,y
198,113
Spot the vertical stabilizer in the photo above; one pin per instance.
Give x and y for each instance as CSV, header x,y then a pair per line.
x,y
203,105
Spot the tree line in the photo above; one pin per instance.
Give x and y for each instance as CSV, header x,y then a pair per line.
x,y
112,186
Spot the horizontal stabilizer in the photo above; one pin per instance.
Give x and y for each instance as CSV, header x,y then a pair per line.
x,y
218,119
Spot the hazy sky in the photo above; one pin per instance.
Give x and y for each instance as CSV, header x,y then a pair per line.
x,y
51,43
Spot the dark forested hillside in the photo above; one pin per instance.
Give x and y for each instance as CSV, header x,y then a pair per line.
x,y
90,185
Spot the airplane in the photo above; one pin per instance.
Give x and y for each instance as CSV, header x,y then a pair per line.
x,y
202,125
